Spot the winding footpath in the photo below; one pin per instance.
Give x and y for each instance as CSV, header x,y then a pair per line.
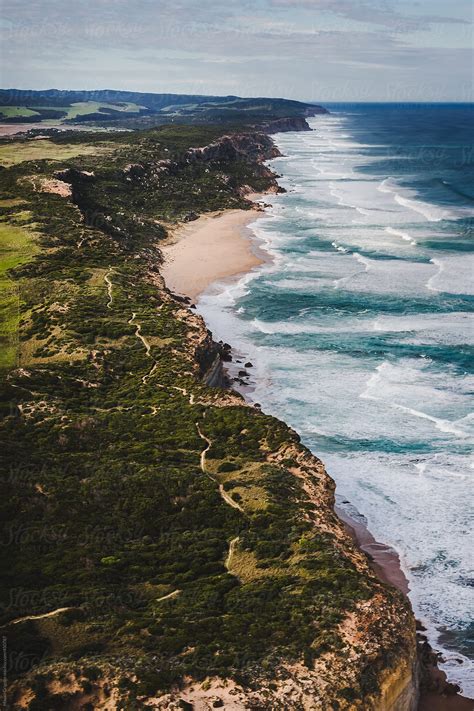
x,y
138,334
228,499
141,337
232,546
147,345
109,287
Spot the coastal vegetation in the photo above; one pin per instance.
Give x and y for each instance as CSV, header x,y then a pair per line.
x,y
156,529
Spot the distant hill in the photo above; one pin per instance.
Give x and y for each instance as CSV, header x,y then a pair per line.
x,y
130,109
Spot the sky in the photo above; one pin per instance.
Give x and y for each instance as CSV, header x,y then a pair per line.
x,y
314,50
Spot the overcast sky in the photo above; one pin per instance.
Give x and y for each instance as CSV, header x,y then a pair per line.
x,y
321,50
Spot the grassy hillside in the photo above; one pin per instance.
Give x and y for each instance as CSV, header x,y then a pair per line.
x,y
154,528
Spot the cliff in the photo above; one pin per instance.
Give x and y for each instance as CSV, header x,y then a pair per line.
x,y
165,544
254,147
284,125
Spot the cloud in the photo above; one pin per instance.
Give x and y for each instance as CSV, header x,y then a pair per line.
x,y
378,13
301,48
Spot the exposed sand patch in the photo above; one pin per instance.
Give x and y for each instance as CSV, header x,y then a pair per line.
x,y
55,186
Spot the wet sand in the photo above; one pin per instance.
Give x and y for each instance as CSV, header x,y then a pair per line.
x,y
384,559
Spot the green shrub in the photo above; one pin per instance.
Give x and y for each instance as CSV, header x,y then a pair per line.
x,y
228,467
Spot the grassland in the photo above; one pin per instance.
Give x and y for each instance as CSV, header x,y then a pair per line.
x,y
17,111
76,111
83,108
17,246
142,110
15,152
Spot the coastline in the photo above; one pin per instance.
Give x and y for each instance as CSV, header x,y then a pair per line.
x,y
222,246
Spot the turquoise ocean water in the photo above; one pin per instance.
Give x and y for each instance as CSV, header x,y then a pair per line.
x,y
361,334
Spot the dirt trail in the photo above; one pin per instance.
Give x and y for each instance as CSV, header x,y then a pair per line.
x,y
147,345
204,451
185,393
138,333
232,545
41,617
170,595
109,287
228,499
150,373
82,240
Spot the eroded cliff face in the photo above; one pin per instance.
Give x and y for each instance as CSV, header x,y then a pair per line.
x,y
284,125
256,146
399,688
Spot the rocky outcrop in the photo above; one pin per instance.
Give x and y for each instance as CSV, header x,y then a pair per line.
x,y
255,146
399,688
252,147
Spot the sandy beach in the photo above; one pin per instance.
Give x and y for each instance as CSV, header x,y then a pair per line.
x,y
211,248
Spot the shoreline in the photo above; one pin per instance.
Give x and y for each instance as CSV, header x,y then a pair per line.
x,y
224,245
384,560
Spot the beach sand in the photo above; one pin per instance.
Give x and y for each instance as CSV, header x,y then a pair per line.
x,y
211,248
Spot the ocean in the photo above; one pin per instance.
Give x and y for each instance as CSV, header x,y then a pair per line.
x,y
360,333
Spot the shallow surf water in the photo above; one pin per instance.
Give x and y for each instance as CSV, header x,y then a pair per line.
x,y
361,335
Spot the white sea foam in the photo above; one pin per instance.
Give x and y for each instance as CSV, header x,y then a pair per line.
x,y
386,186
415,489
442,425
339,247
409,199
367,263
454,275
452,328
399,233
376,275
431,212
